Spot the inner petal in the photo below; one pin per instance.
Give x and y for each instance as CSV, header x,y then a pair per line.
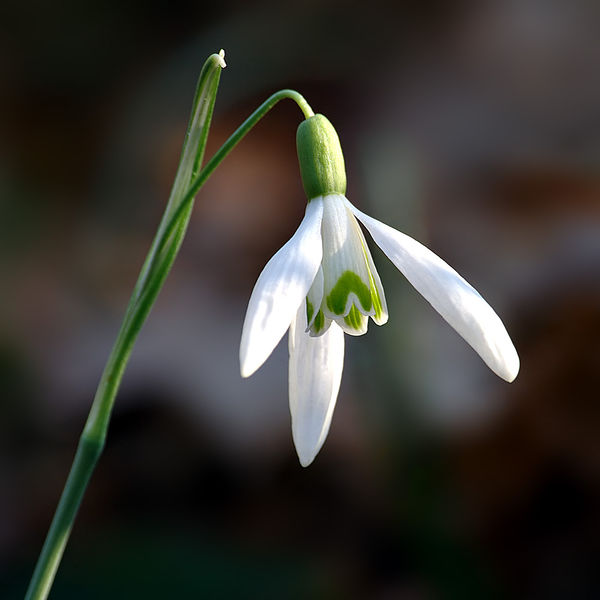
x,y
346,276
377,294
318,323
314,298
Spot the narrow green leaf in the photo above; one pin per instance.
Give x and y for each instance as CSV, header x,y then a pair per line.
x,y
190,162
194,144
152,276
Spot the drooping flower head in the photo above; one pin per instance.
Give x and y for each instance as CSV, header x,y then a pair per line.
x,y
347,288
323,283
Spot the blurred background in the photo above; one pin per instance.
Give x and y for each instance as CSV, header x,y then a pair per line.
x,y
472,126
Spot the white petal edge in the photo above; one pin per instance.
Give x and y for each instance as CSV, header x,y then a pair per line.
x,y
315,373
383,318
279,290
315,295
457,301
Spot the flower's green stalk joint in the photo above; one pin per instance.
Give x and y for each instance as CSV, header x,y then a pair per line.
x,y
320,157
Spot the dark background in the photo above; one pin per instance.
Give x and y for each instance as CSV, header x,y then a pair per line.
x,y
474,127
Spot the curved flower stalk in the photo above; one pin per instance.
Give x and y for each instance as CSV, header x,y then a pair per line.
x,y
323,283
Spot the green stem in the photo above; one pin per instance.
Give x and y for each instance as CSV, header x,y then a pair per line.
x,y
152,276
234,139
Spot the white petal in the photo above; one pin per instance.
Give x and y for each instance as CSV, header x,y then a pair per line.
x,y
381,316
315,296
455,299
344,261
315,373
318,323
279,290
354,323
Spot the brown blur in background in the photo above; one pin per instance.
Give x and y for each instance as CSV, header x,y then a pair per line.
x,y
472,126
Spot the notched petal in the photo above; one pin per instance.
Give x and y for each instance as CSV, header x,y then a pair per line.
x,y
350,290
345,267
354,323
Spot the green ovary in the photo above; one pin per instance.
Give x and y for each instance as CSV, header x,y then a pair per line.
x,y
349,282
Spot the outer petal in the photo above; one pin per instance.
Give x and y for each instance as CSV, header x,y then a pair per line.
x,y
456,300
315,373
279,290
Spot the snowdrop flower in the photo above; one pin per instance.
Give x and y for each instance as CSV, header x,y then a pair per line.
x,y
323,283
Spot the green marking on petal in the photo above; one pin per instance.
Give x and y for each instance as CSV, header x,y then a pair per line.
x,y
375,296
354,318
319,322
310,309
347,283
377,305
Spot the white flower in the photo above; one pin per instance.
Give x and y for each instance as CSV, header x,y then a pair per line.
x,y
323,283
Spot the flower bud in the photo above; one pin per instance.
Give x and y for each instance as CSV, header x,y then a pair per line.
x,y
320,157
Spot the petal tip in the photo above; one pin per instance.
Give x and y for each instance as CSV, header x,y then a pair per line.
x,y
511,369
248,366
382,320
306,462
306,456
306,443
506,364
